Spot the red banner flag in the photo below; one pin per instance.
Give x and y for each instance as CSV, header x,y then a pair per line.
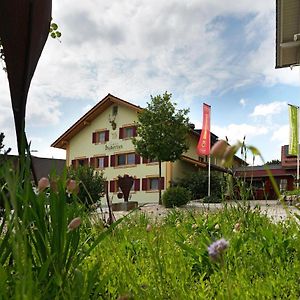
x,y
203,147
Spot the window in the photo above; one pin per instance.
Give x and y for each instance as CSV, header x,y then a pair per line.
x,y
100,162
121,160
124,159
131,159
127,132
283,184
149,160
100,137
152,183
202,158
79,162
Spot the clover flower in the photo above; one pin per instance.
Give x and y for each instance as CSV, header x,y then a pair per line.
x,y
237,227
194,226
219,148
216,249
54,184
72,186
43,184
148,228
224,152
74,224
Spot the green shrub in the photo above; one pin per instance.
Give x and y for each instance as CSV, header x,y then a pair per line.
x,y
91,184
212,199
197,184
176,196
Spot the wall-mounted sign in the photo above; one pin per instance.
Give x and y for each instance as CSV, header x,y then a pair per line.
x,y
114,146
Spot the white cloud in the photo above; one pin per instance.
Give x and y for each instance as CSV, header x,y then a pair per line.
x,y
281,135
243,102
269,109
161,48
137,48
43,113
236,132
40,148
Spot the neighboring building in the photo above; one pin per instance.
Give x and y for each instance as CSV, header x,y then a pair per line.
x,y
102,139
284,173
43,167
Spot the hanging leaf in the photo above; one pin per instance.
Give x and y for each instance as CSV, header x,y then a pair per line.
x,y
254,150
53,30
54,26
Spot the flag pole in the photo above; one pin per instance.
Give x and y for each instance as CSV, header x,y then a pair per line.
x,y
203,146
208,193
297,148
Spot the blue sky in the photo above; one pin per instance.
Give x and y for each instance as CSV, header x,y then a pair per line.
x,y
218,52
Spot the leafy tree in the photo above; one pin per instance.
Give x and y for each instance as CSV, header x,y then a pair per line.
x,y
2,136
273,162
91,184
162,131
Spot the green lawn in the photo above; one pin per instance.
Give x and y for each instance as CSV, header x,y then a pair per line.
x,y
170,260
44,255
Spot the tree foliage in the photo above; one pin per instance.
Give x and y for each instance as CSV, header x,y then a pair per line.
x,y
162,131
91,184
2,151
273,162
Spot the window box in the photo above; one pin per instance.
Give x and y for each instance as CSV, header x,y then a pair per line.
x,y
100,137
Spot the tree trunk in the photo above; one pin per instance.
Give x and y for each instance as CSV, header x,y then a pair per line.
x,y
159,182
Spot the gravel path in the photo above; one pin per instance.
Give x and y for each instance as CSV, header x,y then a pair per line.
x,y
272,208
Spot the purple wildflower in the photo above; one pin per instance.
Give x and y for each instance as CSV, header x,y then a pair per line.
x,y
216,249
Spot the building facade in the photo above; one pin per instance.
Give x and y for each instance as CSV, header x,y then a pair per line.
x,y
284,173
102,138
